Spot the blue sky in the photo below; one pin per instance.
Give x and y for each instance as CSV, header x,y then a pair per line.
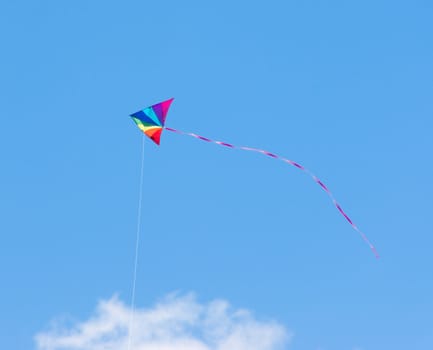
x,y
342,87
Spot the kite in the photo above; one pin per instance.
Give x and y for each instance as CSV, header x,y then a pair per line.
x,y
151,121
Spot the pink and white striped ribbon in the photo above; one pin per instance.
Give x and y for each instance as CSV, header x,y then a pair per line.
x,y
291,162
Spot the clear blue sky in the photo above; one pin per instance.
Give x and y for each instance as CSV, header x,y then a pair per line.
x,y
343,87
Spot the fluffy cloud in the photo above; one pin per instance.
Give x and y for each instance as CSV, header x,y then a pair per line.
x,y
175,323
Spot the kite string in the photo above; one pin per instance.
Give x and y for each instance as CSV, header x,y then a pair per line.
x,y
137,241
291,162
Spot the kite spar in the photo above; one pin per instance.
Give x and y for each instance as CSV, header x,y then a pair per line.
x,y
151,121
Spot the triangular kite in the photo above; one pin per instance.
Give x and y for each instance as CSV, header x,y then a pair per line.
x,y
151,120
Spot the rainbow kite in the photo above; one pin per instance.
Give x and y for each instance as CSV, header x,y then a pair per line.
x,y
151,121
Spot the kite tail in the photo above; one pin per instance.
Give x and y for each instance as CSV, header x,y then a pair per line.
x,y
297,165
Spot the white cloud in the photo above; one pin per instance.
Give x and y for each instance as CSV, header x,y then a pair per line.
x,y
175,323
